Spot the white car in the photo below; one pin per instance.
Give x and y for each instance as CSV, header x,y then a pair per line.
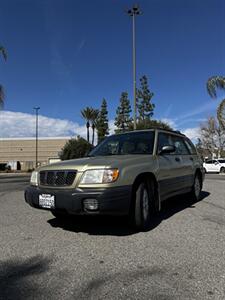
x,y
215,165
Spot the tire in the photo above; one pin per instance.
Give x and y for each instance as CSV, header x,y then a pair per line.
x,y
143,207
222,170
197,187
205,170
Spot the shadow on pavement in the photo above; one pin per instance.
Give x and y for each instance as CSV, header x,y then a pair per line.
x,y
120,226
173,206
16,280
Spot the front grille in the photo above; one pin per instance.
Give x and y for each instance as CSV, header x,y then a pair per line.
x,y
57,178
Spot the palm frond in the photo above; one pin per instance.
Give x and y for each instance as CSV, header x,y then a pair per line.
x,y
221,114
3,52
94,115
2,96
86,113
214,83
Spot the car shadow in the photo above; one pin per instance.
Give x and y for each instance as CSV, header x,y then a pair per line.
x,y
173,206
120,226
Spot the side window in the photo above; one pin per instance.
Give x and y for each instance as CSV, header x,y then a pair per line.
x,y
209,162
163,140
190,147
181,148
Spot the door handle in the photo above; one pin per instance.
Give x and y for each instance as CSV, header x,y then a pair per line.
x,y
177,158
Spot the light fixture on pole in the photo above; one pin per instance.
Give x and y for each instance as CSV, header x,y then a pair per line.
x,y
134,11
36,111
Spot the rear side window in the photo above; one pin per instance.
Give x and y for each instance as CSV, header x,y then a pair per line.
x,y
209,162
222,161
181,148
190,147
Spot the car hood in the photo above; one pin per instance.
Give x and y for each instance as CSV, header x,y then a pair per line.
x,y
97,162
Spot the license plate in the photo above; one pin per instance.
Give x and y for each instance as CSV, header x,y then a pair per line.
x,y
47,201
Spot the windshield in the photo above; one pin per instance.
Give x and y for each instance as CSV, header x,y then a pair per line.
x,y
129,143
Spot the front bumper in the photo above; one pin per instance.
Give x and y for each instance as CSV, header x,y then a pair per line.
x,y
111,201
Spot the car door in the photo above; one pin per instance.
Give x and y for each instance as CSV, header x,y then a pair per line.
x,y
186,170
170,169
215,166
208,166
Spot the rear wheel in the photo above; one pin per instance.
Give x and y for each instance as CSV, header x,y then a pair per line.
x,y
143,206
205,170
197,187
222,170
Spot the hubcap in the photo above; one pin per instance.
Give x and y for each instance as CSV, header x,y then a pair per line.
x,y
197,186
145,204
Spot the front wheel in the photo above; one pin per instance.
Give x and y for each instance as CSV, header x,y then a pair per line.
x,y
222,170
143,206
196,188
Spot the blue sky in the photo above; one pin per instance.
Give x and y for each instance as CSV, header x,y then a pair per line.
x,y
64,55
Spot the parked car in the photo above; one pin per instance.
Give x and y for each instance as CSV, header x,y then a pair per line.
x,y
126,174
214,165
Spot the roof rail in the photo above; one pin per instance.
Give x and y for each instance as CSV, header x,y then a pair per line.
x,y
169,130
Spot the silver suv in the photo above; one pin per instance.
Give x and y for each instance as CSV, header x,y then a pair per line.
x,y
126,174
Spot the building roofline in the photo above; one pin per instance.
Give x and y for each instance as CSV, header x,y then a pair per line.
x,y
39,138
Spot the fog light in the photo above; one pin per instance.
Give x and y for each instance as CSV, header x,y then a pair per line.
x,y
91,204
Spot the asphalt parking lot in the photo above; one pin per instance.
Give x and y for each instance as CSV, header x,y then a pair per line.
x,y
181,257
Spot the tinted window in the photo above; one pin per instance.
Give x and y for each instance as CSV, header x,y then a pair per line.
x,y
209,162
190,147
129,143
222,161
164,139
181,148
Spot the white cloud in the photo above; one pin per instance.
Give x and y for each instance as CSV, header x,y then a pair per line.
x,y
17,124
192,133
112,126
170,122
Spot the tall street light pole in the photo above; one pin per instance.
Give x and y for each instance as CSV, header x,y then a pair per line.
x,y
133,12
36,111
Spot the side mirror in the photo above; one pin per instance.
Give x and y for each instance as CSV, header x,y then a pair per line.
x,y
167,149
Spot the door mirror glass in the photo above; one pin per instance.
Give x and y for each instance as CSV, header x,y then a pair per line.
x,y
167,149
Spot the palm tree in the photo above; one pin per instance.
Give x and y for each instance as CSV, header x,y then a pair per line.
x,y
87,115
214,83
221,114
94,117
2,96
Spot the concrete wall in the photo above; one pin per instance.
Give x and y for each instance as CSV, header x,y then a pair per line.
x,y
24,150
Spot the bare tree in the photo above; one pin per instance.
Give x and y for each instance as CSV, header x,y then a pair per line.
x,y
213,137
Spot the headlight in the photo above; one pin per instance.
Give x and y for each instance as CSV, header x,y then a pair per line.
x,y
34,178
99,176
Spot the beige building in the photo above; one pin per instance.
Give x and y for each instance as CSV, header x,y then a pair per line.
x,y
23,151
